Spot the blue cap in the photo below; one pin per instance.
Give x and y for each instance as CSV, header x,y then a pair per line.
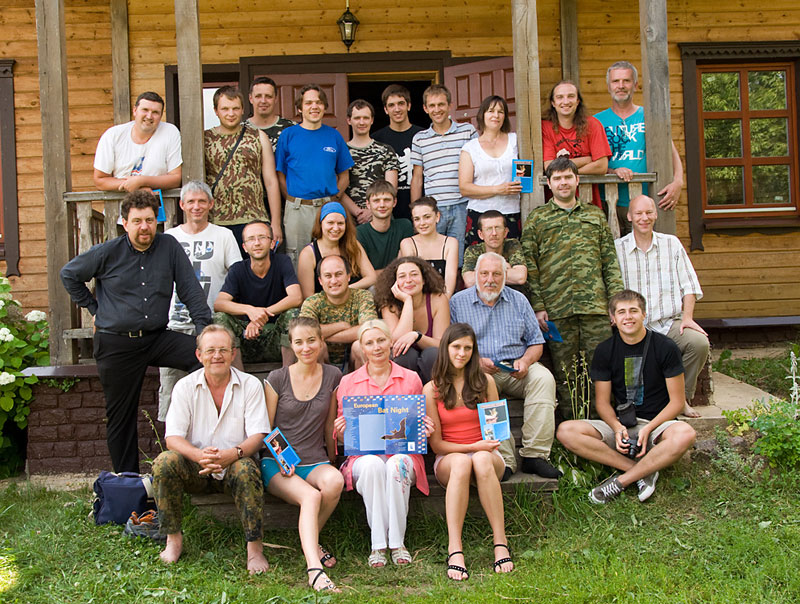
x,y
332,207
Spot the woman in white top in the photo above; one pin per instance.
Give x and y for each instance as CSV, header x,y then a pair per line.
x,y
484,170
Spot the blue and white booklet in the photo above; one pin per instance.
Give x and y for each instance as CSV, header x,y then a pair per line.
x,y
495,424
388,424
281,450
522,172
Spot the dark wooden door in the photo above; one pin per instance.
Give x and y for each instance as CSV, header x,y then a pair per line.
x,y
470,83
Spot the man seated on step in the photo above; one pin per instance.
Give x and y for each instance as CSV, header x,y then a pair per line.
x,y
258,299
215,424
642,370
340,309
508,333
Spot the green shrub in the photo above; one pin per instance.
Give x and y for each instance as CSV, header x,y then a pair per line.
x,y
24,342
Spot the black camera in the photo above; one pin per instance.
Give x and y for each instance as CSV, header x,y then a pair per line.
x,y
633,447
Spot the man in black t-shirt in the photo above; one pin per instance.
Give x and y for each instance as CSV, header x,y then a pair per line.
x,y
643,368
256,298
398,135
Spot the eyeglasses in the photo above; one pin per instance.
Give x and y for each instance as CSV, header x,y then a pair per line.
x,y
257,238
210,352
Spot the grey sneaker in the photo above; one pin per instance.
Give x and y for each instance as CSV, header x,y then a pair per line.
x,y
606,491
647,486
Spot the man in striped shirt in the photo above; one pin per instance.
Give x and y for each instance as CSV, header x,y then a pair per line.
x,y
434,156
657,266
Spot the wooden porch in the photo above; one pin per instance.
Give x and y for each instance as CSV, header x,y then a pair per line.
x,y
71,213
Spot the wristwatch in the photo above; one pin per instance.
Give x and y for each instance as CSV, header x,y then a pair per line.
x,y
239,451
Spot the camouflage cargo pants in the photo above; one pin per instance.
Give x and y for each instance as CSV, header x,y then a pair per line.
x,y
266,348
580,333
173,475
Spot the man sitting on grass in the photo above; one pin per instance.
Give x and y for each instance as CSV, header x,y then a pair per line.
x,y
643,368
215,424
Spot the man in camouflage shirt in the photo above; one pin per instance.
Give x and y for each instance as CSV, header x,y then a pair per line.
x,y
573,273
340,309
372,160
264,100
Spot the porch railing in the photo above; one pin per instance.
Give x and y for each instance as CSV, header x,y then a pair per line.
x,y
611,181
93,227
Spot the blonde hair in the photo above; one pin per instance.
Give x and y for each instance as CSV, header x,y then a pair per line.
x,y
374,324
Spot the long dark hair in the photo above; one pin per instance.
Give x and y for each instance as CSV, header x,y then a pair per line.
x,y
581,119
348,243
476,386
432,282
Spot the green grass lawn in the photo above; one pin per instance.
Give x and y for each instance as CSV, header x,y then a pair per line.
x,y
719,532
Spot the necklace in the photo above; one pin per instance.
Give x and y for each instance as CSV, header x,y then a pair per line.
x,y
310,383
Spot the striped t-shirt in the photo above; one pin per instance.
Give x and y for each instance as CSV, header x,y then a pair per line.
x,y
438,154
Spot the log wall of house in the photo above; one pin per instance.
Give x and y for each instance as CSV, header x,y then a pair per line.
x,y
750,275
88,33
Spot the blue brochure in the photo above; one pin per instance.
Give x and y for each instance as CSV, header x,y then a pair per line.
x,y
504,366
384,424
495,424
522,172
552,334
162,215
281,450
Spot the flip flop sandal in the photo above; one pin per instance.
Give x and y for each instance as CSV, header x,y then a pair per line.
x,y
401,556
377,558
456,567
327,584
502,561
326,555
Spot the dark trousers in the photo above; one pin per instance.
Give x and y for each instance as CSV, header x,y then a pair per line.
x,y
121,365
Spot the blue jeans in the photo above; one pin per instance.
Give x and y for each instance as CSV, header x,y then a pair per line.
x,y
454,224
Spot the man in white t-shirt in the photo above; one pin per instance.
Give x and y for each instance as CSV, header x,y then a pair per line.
x,y
142,154
212,250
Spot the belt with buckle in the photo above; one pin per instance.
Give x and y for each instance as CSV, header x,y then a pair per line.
x,y
310,202
139,333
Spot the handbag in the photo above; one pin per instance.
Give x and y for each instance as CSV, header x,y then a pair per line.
x,y
117,495
626,412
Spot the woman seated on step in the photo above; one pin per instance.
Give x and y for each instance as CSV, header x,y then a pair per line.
x,y
463,457
383,481
409,295
439,250
301,401
333,234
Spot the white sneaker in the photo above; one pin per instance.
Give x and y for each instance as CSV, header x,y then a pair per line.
x,y
647,486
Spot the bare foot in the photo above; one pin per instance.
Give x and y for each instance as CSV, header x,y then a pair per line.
x,y
256,562
688,411
457,559
173,549
501,552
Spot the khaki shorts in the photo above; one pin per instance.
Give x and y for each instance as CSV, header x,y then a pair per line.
x,y
607,433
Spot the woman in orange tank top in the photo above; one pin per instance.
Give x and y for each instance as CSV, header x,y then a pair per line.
x,y
463,456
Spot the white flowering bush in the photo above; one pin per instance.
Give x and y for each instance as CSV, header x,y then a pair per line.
x,y
24,342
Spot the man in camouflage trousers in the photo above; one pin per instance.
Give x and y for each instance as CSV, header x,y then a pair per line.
x,y
215,424
573,273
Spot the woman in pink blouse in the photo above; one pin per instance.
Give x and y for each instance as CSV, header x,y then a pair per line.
x,y
383,481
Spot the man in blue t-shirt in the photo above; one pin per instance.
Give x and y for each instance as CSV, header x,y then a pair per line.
x,y
643,371
625,130
312,161
256,299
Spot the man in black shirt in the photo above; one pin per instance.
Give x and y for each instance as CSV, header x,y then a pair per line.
x,y
134,276
642,368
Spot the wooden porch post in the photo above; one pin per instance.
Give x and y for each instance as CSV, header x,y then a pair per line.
x,y
190,88
56,169
655,83
524,27
569,40
120,62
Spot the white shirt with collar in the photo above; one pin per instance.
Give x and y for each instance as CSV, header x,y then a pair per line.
x,y
193,415
663,274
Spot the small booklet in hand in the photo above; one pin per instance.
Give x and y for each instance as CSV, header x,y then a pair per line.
x,y
522,172
281,450
552,334
495,424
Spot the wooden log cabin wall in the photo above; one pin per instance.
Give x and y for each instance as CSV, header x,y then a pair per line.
x,y
744,274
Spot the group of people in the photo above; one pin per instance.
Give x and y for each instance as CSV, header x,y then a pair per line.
x,y
455,303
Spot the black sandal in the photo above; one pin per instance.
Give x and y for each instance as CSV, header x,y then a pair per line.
x,y
326,555
502,561
321,573
460,569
